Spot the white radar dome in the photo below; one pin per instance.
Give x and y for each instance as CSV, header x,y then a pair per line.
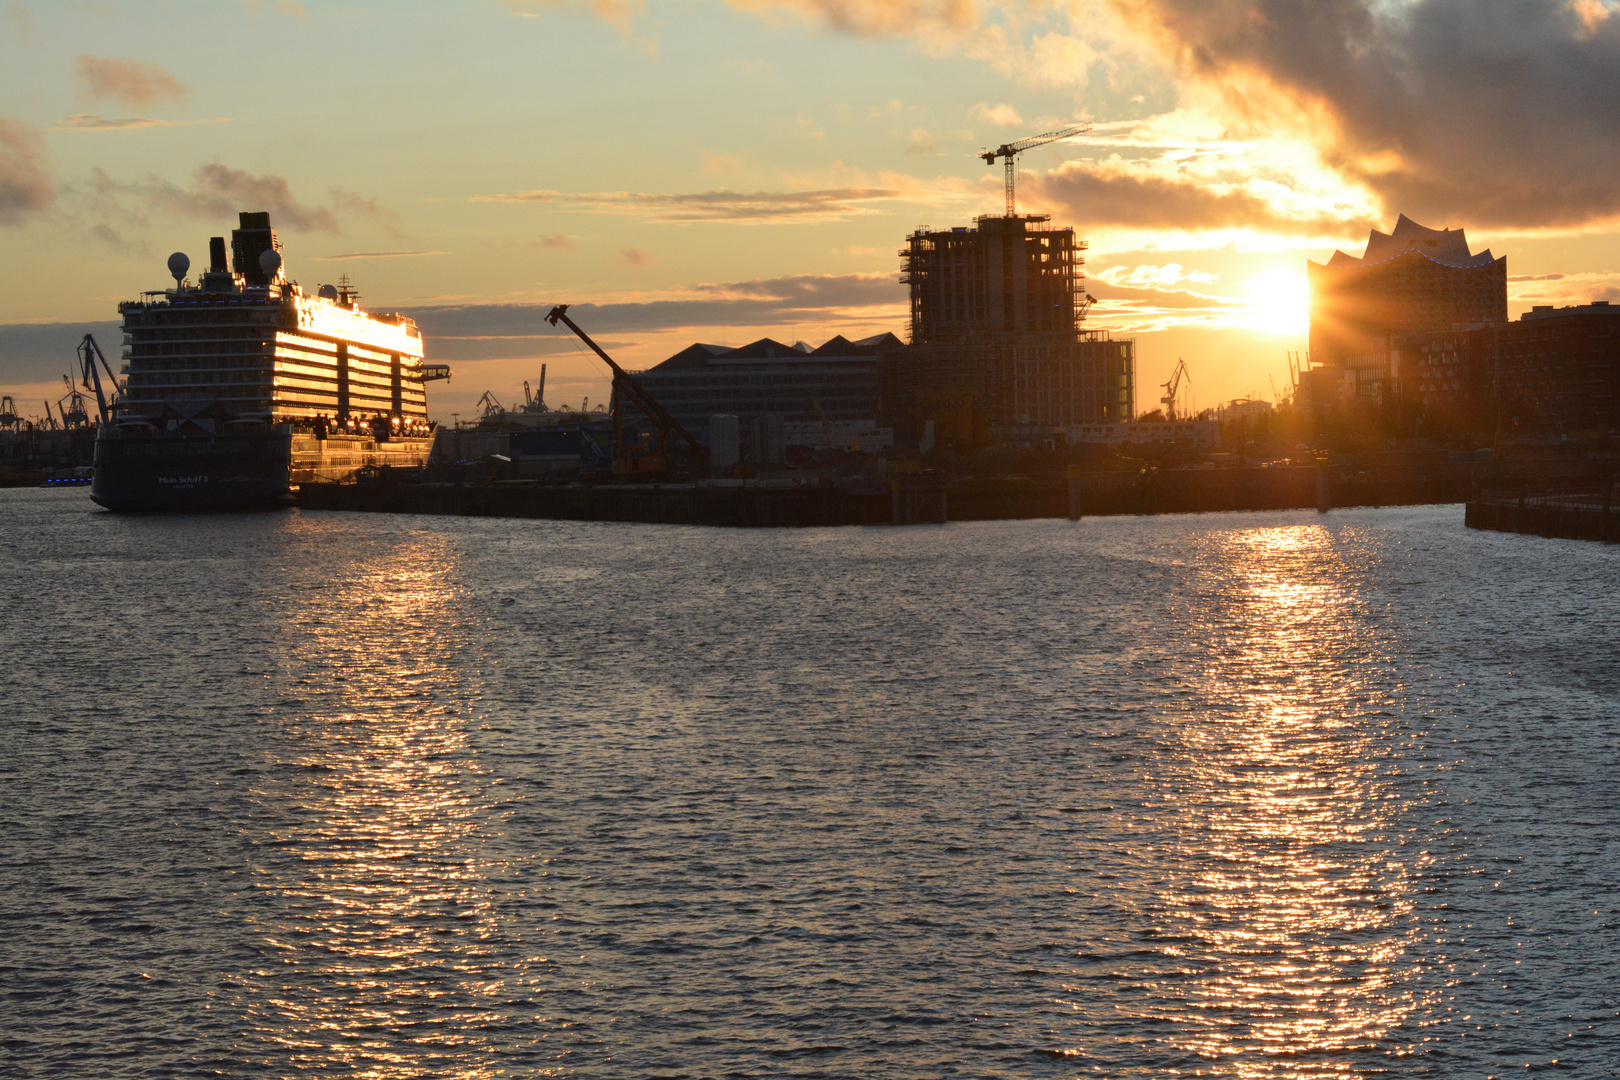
x,y
327,292
178,265
270,263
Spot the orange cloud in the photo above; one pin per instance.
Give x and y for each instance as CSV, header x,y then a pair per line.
x,y
1121,194
1484,112
219,191
721,205
128,80
25,186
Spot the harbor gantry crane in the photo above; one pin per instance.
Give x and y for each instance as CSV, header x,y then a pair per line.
x,y
1010,152
1172,386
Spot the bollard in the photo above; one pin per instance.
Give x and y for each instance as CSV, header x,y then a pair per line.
x,y
1075,506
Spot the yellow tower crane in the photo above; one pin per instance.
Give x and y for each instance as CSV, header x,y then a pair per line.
x,y
1010,151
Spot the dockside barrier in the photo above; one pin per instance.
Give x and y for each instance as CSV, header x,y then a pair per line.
x,y
962,499
1567,516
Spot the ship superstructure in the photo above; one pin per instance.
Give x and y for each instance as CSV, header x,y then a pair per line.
x,y
241,385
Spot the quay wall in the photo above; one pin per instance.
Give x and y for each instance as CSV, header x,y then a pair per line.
x,y
1561,517
966,499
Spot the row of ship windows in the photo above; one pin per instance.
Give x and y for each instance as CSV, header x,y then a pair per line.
x,y
210,313
200,363
201,332
143,350
355,385
304,348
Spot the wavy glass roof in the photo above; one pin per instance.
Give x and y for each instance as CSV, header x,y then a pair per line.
x,y
1449,247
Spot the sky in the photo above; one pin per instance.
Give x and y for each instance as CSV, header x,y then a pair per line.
x,y
724,171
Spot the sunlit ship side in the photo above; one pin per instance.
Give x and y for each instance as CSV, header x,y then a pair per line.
x,y
241,386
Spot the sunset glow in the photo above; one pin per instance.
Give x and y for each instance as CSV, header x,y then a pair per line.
x,y
768,196
1279,302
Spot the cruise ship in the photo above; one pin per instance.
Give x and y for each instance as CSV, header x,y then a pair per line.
x,y
241,386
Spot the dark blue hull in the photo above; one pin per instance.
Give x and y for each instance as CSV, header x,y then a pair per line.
x,y
164,471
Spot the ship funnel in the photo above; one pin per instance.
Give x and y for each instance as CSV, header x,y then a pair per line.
x,y
216,253
270,263
178,265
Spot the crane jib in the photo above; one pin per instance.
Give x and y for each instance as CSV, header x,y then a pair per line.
x,y
630,387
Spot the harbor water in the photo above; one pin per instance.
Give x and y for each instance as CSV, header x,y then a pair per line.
x,y
1261,795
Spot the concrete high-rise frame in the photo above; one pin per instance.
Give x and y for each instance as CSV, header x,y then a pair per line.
x,y
998,352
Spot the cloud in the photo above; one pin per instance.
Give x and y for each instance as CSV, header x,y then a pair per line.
x,y
920,142
619,14
217,185
1562,290
216,191
721,205
877,18
635,256
290,8
720,164
347,202
1000,115
1122,194
1493,113
109,236
128,80
21,20
375,255
1152,276
25,186
559,241
488,331
93,122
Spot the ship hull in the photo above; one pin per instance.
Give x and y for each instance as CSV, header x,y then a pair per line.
x,y
155,470
165,471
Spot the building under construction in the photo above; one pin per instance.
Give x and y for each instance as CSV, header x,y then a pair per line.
x,y
998,351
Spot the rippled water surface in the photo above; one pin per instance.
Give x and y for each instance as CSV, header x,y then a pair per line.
x,y
1246,795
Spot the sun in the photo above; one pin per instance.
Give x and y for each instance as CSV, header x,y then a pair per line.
x,y
1279,302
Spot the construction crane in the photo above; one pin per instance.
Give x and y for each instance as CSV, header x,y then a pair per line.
x,y
626,387
1172,387
1010,152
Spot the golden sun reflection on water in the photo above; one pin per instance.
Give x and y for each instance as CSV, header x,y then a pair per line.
x,y
1296,917
380,888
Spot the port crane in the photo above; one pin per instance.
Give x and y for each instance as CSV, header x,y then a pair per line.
x,y
1010,152
1172,387
491,406
89,354
9,420
74,413
535,402
624,386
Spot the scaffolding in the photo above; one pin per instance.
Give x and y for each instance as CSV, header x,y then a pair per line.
x,y
1017,275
